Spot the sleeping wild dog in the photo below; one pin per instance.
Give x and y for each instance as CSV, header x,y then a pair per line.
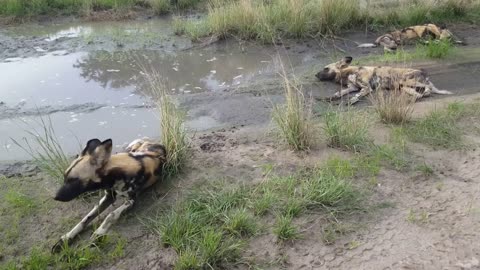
x,y
120,175
365,79
392,40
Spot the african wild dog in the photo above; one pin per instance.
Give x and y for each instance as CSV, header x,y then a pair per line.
x,y
392,40
122,174
367,78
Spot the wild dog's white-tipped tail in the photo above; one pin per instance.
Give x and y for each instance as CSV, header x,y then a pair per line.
x,y
367,45
441,92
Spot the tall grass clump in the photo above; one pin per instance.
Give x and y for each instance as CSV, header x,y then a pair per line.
x,y
284,228
161,7
43,146
347,130
268,21
294,119
394,107
172,123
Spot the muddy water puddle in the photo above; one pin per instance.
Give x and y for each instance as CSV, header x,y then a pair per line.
x,y
103,93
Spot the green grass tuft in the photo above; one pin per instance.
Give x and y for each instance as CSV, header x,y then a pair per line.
x,y
43,146
239,222
20,201
284,228
294,119
437,129
347,130
172,124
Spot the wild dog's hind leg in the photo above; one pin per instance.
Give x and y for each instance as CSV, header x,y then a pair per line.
x,y
435,90
112,218
106,201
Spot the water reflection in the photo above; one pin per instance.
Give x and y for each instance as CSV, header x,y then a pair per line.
x,y
186,72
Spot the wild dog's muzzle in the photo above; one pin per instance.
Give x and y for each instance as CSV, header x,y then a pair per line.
x,y
69,191
325,75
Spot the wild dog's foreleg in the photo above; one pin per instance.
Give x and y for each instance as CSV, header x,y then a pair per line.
x,y
412,92
112,218
364,92
366,89
106,201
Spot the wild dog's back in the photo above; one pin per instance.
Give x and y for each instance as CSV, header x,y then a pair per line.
x,y
153,156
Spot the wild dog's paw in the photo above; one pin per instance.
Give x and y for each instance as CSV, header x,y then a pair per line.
x,y
60,245
353,100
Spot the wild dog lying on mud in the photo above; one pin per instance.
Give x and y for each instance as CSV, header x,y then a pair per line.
x,y
392,40
366,79
122,174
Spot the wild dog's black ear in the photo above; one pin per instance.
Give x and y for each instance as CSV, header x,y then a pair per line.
x,y
91,145
345,62
102,153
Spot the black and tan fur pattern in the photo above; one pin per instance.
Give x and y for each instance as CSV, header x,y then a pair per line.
x,y
120,175
365,79
392,40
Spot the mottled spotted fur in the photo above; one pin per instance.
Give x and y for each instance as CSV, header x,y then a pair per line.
x,y
392,40
120,175
365,79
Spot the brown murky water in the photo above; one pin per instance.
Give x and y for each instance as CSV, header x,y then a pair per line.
x,y
102,93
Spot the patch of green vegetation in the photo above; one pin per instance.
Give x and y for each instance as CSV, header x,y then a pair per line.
x,y
347,130
172,124
211,224
418,218
264,202
207,228
69,258
425,169
438,48
195,29
437,129
409,13
392,155
240,222
294,119
19,201
267,21
46,152
284,228
22,8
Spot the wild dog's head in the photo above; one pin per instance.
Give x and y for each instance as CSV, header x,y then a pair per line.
x,y
333,72
388,41
445,34
82,175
